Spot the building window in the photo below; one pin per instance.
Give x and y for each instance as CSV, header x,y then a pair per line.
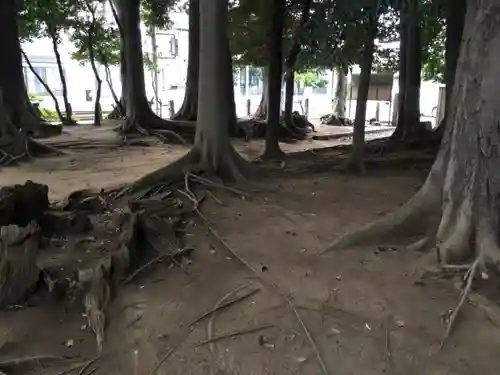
x,y
49,74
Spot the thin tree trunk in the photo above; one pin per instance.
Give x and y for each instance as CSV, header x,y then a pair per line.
x,y
189,107
274,78
340,92
356,161
44,84
261,112
289,92
109,81
97,105
15,99
68,120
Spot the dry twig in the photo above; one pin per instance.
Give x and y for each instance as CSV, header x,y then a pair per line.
x,y
235,334
224,305
470,278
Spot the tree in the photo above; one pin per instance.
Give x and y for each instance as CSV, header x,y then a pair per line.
x,y
189,107
88,33
140,117
212,151
17,111
409,126
272,149
49,18
356,160
456,210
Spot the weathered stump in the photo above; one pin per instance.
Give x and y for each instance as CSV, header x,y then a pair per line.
x,y
19,272
23,204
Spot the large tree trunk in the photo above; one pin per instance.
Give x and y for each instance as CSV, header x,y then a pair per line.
x,y
261,112
16,104
457,208
340,92
409,126
272,149
140,117
212,151
355,162
68,119
189,107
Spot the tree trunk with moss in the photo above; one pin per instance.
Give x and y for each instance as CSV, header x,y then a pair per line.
x,y
457,208
189,107
212,151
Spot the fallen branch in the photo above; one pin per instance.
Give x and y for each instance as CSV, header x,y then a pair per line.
x,y
235,334
224,305
208,182
156,259
469,278
210,324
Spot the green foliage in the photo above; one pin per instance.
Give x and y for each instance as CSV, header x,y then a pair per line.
x,y
105,36
155,13
44,18
433,40
312,78
45,113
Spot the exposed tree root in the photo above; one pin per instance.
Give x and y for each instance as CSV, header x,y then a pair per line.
x,y
19,147
417,215
150,124
332,119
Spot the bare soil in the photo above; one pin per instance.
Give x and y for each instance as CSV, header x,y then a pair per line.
x,y
369,311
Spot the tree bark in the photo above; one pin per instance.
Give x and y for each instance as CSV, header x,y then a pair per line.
x,y
261,112
189,107
140,117
68,119
355,162
274,79
340,92
457,208
409,126
16,104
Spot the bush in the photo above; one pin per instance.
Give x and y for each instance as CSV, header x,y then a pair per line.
x,y
45,113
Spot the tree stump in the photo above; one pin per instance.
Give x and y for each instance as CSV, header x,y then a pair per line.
x,y
19,272
22,204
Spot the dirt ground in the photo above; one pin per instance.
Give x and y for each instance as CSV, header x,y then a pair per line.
x,y
368,311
